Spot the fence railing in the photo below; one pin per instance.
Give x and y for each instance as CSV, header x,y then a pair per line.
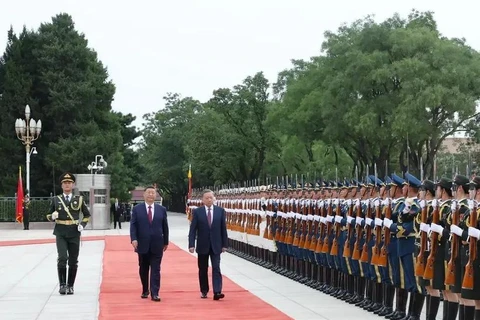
x,y
38,209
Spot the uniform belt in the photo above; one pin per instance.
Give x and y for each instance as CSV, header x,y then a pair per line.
x,y
66,222
409,236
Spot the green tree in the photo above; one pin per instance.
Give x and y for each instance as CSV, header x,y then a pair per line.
x,y
60,77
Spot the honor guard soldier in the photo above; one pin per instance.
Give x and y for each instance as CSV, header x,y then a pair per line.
x,y
66,209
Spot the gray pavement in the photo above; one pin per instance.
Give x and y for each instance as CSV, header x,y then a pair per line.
x,y
29,289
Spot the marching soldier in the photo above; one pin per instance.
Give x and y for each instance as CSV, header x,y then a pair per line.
x,y
66,209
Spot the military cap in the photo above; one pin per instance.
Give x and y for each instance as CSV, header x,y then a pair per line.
x,y
375,181
461,180
429,185
67,177
397,180
388,180
317,185
412,181
445,183
476,182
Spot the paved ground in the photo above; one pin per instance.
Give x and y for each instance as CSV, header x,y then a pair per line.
x,y
29,289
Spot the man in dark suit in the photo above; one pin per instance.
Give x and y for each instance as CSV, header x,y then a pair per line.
x,y
117,211
209,228
149,237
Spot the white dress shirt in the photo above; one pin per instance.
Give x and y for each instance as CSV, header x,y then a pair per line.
x,y
153,209
68,195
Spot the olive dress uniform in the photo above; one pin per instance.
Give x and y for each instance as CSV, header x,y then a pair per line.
x,y
67,231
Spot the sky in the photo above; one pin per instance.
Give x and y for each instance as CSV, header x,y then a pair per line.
x,y
193,47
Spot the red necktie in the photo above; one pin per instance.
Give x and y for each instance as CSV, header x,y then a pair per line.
x,y
150,218
209,217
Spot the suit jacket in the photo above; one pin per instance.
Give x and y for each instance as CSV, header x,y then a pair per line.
x,y
151,237
207,237
116,211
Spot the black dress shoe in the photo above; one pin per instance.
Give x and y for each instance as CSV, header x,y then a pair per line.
x,y
218,296
69,289
63,289
144,295
156,298
203,295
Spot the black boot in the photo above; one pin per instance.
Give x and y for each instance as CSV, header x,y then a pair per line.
x,y
62,279
418,302
452,310
401,305
72,274
432,307
445,309
477,314
469,312
389,295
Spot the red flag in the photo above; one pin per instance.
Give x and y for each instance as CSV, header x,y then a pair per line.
x,y
19,207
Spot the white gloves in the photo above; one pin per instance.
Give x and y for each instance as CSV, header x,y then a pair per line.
x,y
80,228
422,204
323,220
435,203
350,219
471,204
368,221
453,206
55,215
338,219
376,203
436,228
330,219
387,223
358,220
424,227
456,230
378,222
357,202
474,232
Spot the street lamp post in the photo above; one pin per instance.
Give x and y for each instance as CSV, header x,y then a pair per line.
x,y
28,130
97,166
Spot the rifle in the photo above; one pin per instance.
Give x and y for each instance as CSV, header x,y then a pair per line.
x,y
468,278
378,230
347,252
420,263
382,258
334,249
328,231
308,227
321,236
450,275
314,237
368,237
428,275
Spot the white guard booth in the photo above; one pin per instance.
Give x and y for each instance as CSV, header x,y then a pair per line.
x,y
95,189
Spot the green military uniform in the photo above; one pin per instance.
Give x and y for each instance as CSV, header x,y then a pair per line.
x,y
66,214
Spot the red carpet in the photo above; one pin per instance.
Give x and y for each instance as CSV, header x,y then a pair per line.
x,y
120,290
43,241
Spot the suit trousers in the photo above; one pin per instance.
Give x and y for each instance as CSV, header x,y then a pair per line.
x,y
203,272
150,263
